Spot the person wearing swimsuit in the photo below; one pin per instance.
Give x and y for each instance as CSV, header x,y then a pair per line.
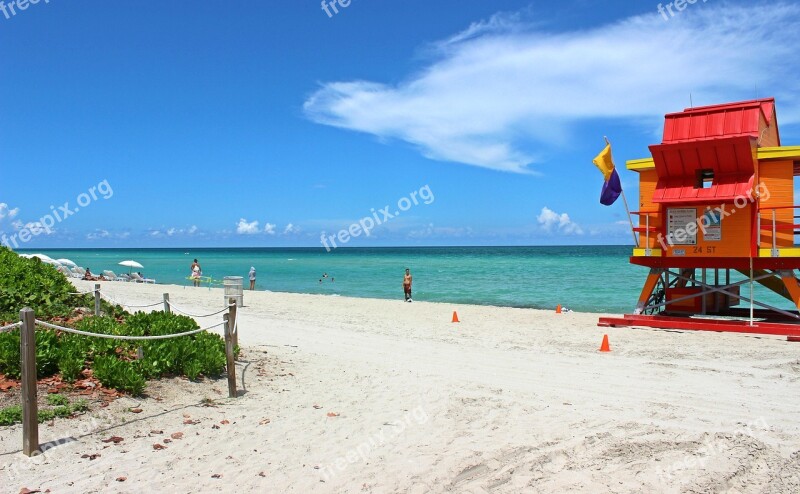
x,y
407,285
196,273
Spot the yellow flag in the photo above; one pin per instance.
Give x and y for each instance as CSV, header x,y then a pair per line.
x,y
604,162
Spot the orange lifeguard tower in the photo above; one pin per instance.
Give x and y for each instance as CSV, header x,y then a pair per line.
x,y
717,198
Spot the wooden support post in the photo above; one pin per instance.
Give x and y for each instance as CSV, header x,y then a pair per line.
x,y
166,303
97,299
231,365
233,321
30,409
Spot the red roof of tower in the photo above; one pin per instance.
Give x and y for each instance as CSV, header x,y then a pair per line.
x,y
727,120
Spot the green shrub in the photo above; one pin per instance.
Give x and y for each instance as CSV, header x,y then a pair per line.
x,y
46,353
32,283
46,414
72,356
94,346
29,282
119,374
193,355
57,400
9,354
11,415
80,406
61,408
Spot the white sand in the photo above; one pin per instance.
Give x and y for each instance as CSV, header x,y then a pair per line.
x,y
507,401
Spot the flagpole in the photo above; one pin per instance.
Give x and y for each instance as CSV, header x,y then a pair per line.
x,y
751,287
627,209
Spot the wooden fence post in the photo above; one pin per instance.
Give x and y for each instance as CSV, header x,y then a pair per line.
x,y
97,299
166,303
233,321
30,408
230,364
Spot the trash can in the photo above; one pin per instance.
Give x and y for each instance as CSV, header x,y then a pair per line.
x,y
234,289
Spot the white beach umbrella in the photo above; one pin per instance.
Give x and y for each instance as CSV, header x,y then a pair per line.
x,y
45,259
131,265
66,262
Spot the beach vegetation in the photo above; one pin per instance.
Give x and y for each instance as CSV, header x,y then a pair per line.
x,y
59,406
124,365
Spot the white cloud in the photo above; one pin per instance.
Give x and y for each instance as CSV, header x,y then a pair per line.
x,y
192,230
172,231
504,87
247,228
97,234
269,229
35,227
291,229
7,212
551,221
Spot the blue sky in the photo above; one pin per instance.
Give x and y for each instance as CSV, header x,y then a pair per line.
x,y
267,123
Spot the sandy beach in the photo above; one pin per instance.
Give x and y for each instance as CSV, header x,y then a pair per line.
x,y
359,395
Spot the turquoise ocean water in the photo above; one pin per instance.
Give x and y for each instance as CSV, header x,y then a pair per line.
x,y
582,278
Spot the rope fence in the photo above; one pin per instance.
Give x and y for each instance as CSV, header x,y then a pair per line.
x,y
184,312
10,327
82,293
131,306
122,337
28,324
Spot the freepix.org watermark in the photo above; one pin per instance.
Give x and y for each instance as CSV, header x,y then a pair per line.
x,y
379,217
57,215
679,5
711,448
331,7
713,216
11,8
55,451
363,451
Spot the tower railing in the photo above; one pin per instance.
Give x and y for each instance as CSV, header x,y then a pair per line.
x,y
773,225
646,229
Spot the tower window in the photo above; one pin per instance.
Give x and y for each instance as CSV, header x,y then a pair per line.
x,y
704,178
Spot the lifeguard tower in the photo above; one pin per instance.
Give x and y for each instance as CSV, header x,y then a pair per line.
x,y
717,216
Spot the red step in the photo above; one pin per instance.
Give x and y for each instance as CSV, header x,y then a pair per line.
x,y
697,324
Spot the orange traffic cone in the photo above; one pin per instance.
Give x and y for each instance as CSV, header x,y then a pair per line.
x,y
455,317
604,346
558,309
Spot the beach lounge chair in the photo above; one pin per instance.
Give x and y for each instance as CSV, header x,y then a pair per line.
x,y
78,273
111,276
138,279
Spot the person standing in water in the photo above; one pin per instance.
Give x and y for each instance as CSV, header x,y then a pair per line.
x,y
407,279
252,278
197,271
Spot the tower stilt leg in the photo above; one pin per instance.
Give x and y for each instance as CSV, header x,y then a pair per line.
x,y
792,286
649,285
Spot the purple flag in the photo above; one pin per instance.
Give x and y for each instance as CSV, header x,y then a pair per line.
x,y
611,189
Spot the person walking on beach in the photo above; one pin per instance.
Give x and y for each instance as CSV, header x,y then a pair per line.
x,y
407,279
197,271
252,278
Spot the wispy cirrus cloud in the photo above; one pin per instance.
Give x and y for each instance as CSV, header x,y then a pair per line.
x,y
505,87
